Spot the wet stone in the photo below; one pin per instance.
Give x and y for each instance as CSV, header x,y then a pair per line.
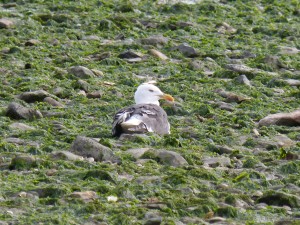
x,y
88,147
17,111
53,102
281,119
187,50
33,96
155,40
81,72
242,79
6,23
130,55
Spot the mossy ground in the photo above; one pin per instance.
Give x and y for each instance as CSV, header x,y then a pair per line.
x,y
262,28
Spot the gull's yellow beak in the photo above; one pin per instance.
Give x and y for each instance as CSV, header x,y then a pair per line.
x,y
167,97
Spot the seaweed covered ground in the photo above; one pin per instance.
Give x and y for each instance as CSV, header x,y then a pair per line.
x,y
67,66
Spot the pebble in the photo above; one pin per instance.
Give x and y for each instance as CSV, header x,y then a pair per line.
x,y
6,23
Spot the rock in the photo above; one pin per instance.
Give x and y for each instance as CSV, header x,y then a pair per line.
x,y
217,161
242,79
222,149
86,196
81,72
32,42
243,69
281,119
23,162
91,38
280,199
83,85
19,141
6,23
287,222
216,220
292,82
98,73
225,106
186,50
95,94
17,111
88,147
155,40
193,220
33,96
21,126
166,157
273,61
208,66
9,5
231,97
225,28
148,179
130,55
288,50
158,54
65,155
53,102
133,137
137,152
152,218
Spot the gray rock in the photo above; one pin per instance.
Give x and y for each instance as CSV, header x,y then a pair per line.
x,y
166,157
95,94
273,61
53,102
85,196
288,50
222,149
65,155
137,152
155,40
148,179
17,111
21,126
187,50
152,218
23,162
83,85
81,72
33,96
242,79
20,141
280,199
217,161
243,69
129,54
292,82
281,119
193,220
32,42
6,23
88,147
208,66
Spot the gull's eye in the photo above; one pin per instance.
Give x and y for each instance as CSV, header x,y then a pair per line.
x,y
150,90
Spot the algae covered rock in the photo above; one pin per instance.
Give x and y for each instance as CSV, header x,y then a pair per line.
x,y
17,111
88,147
23,162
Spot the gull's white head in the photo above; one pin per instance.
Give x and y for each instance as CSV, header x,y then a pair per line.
x,y
148,93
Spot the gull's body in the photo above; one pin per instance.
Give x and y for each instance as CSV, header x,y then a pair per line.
x,y
146,115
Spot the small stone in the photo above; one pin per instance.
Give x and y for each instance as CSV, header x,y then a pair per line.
x,y
217,161
137,152
53,102
289,50
83,85
95,94
226,28
81,72
281,119
66,155
222,149
17,111
130,55
231,97
32,42
51,172
81,92
167,157
112,198
208,66
158,54
217,220
273,61
280,199
23,162
6,23
91,38
88,147
98,73
243,69
292,82
33,96
21,126
187,50
155,40
86,196
152,218
9,5
242,79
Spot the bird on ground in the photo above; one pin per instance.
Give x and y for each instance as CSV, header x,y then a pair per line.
x,y
146,115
